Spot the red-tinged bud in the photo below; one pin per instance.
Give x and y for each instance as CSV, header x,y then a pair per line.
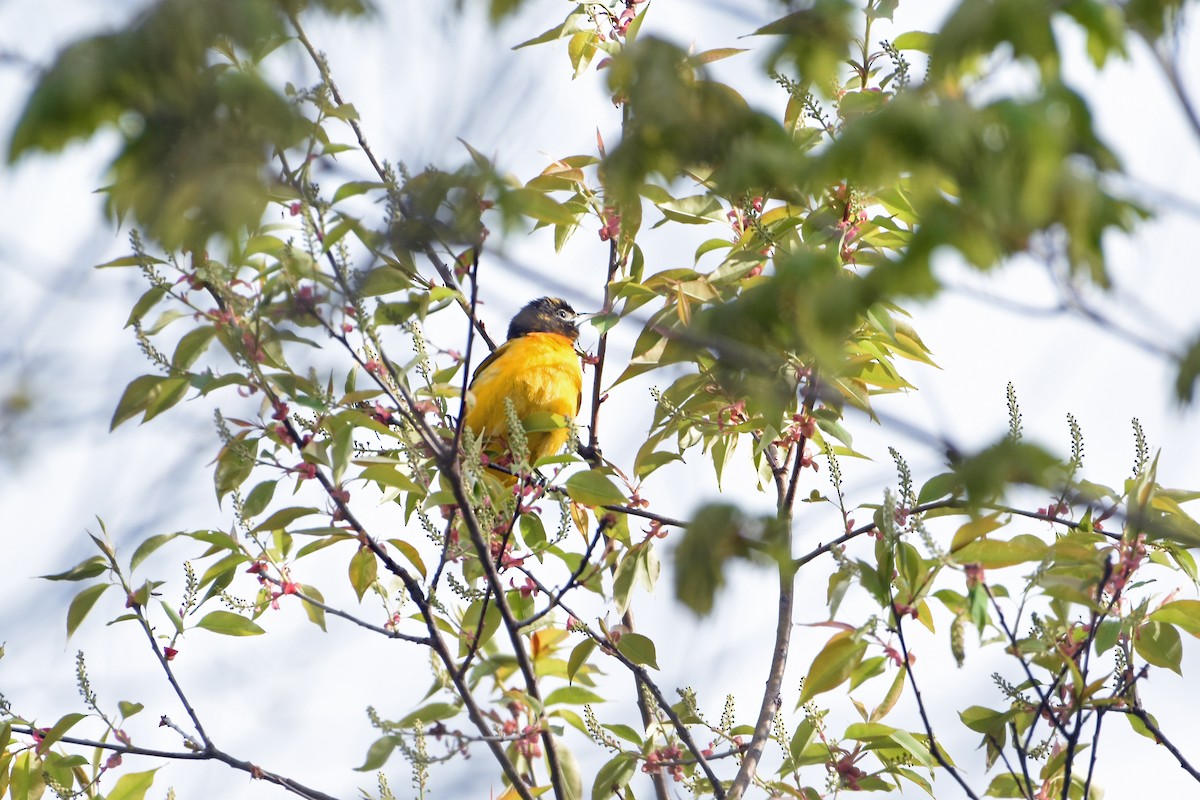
x,y
347,327
258,568
294,209
757,204
382,414
113,761
305,470
290,588
285,437
280,413
169,654
340,495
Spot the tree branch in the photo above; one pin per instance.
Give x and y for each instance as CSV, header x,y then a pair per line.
x,y
934,749
210,753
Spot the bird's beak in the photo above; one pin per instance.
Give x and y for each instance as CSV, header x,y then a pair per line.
x,y
587,316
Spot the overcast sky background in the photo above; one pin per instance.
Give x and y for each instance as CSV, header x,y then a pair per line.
x,y
420,77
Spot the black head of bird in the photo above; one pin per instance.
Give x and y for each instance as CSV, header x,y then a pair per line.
x,y
547,315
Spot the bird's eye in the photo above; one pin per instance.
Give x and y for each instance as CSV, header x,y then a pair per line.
x,y
563,314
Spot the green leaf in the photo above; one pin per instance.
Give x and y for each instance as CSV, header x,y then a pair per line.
x,y
974,530
363,571
353,188
638,649
58,730
147,547
614,776
572,775
995,553
229,624
832,666
132,786
378,754
717,54
1160,645
891,698
88,568
919,751
128,709
284,517
82,604
389,475
234,465
147,301
343,448
914,40
316,614
411,553
538,206
137,396
1140,727
1184,613
579,656
433,712
937,487
192,346
572,695
593,488
165,395
712,537
258,499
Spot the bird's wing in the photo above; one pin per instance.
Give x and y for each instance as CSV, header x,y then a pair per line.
x,y
491,359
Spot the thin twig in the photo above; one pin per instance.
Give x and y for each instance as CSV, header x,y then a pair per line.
x,y
934,749
208,754
1140,713
450,470
462,688
443,270
337,612
639,671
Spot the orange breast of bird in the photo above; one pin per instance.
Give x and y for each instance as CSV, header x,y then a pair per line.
x,y
540,372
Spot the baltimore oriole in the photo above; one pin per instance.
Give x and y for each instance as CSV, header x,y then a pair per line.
x,y
538,369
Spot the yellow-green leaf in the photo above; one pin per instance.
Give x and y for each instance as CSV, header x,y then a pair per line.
x,y
833,665
229,624
593,488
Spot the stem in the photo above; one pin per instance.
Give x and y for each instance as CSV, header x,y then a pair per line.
x,y
208,754
454,477
934,750
772,698
644,678
1141,714
446,274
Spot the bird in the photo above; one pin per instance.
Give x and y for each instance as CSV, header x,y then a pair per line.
x,y
538,369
